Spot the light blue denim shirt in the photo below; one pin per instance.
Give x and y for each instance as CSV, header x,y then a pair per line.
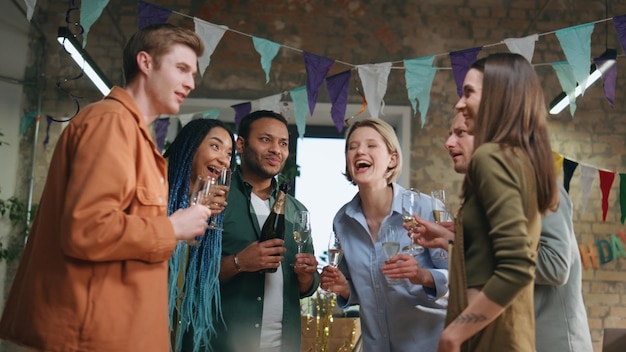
x,y
404,317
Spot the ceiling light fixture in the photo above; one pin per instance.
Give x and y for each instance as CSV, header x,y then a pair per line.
x,y
84,61
562,100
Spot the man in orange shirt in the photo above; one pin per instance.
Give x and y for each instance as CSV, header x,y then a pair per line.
x,y
93,276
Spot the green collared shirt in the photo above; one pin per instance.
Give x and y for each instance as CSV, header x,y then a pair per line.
x,y
242,294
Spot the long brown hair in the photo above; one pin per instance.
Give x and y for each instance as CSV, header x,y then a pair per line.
x,y
512,113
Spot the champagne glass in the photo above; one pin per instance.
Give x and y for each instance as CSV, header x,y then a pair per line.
x,y
335,253
221,183
390,246
301,229
200,195
410,206
440,211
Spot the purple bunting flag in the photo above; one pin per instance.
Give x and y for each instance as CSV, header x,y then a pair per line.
x,y
620,26
160,130
337,86
148,14
461,61
569,166
241,110
316,69
607,65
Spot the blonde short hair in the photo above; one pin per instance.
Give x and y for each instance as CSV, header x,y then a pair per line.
x,y
391,141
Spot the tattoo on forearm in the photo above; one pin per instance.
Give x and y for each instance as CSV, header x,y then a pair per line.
x,y
470,318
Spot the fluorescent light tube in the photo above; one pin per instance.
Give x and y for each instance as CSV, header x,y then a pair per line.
x,y
593,77
80,56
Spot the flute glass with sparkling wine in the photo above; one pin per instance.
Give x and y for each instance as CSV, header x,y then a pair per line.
x,y
335,253
410,206
201,195
301,229
440,211
221,183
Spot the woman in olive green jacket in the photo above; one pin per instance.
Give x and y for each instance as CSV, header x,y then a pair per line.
x,y
509,184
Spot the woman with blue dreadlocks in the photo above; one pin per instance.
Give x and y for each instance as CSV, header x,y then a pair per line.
x,y
202,148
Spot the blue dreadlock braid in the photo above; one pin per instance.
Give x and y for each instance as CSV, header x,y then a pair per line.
x,y
194,292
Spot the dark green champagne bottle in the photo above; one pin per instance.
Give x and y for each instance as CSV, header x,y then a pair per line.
x,y
274,226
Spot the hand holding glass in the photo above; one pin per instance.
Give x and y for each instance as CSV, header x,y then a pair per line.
x,y
301,229
411,206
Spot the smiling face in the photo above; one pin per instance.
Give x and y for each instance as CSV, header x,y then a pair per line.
x,y
460,144
368,159
169,81
265,151
470,100
213,154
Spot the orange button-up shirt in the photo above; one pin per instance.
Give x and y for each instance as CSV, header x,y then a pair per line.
x,y
93,276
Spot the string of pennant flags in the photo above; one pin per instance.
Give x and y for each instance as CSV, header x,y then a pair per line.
x,y
588,175
419,75
419,72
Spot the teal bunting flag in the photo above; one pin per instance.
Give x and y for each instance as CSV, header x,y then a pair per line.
x,y
268,50
568,82
211,114
576,44
300,104
27,120
419,75
90,11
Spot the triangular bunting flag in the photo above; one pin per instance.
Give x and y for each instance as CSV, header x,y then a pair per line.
x,y
211,114
90,11
576,44
241,110
148,14
185,118
568,82
299,97
607,66
622,197
268,50
271,103
26,121
569,166
523,46
337,86
588,174
419,75
211,34
30,8
160,130
606,181
558,162
461,61
374,80
316,69
620,26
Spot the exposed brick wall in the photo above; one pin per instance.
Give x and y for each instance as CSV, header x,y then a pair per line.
x,y
361,32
